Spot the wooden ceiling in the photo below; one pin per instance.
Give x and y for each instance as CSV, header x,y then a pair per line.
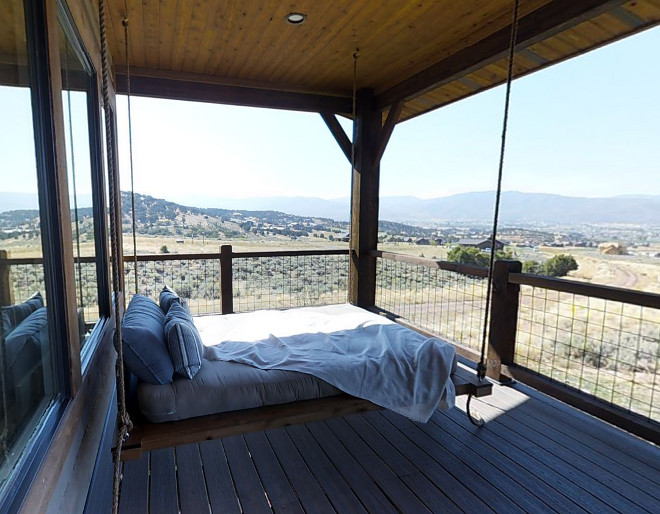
x,y
423,53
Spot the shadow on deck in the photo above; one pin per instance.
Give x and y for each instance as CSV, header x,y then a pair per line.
x,y
534,454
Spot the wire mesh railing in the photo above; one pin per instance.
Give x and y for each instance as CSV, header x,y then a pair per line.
x,y
23,277
259,280
440,297
601,346
282,280
194,277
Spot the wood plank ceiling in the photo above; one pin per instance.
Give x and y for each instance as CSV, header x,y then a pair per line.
x,y
425,52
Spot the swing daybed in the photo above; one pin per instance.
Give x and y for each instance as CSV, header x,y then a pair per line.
x,y
225,398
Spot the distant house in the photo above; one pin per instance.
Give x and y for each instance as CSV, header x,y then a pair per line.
x,y
343,236
422,241
480,243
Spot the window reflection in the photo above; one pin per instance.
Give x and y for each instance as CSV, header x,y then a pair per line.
x,y
76,81
26,366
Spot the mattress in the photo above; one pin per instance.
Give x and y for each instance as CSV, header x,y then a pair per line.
x,y
223,386
227,386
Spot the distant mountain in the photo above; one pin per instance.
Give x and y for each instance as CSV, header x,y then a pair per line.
x,y
30,201
516,207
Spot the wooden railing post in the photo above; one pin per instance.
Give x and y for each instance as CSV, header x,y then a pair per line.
x,y
6,282
226,289
503,318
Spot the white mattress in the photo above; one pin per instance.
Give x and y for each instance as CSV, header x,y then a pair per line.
x,y
222,386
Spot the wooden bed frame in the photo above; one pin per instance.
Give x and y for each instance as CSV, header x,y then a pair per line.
x,y
153,436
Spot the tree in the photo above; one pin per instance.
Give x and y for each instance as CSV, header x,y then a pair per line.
x,y
468,255
475,257
534,267
560,265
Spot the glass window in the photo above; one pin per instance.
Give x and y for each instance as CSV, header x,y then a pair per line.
x,y
76,99
27,377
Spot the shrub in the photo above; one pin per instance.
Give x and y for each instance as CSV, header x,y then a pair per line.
x,y
164,249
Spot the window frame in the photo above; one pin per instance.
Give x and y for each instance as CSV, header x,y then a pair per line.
x,y
69,363
94,106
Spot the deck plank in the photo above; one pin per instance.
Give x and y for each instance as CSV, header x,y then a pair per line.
x,y
465,474
219,484
309,492
460,493
246,480
471,446
569,464
393,487
371,496
339,493
612,437
534,454
163,488
543,466
419,484
192,488
591,435
510,486
281,496
134,496
630,484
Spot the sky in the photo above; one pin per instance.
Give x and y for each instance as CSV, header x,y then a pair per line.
x,y
587,127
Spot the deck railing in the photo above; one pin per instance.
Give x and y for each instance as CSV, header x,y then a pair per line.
x,y
443,298
566,337
572,339
230,281
22,277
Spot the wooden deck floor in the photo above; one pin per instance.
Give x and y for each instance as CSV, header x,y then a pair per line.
x,y
533,455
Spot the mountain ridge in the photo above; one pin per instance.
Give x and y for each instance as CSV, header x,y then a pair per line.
x,y
478,206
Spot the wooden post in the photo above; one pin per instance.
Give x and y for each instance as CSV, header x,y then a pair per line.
x,y
503,318
364,201
226,289
6,282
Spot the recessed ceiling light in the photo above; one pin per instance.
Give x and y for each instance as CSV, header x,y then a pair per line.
x,y
296,18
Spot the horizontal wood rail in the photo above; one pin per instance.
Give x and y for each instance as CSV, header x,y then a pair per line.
x,y
464,269
615,294
290,253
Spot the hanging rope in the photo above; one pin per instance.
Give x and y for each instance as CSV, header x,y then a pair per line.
x,y
356,54
124,22
123,420
481,367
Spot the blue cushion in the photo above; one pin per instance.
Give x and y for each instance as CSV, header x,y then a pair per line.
x,y
183,340
143,336
166,298
13,315
28,336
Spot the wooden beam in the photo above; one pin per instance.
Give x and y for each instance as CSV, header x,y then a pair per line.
x,y
364,202
338,132
503,322
173,89
388,128
549,20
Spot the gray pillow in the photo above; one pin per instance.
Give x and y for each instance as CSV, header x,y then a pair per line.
x,y
183,341
167,297
143,337
12,315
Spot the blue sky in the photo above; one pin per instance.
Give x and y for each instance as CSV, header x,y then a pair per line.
x,y
586,127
